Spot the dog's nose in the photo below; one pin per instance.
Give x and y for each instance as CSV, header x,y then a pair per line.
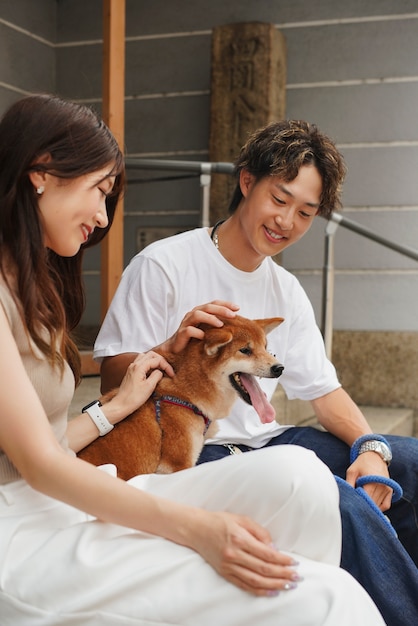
x,y
277,370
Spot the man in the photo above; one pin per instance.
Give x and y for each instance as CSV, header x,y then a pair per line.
x,y
287,173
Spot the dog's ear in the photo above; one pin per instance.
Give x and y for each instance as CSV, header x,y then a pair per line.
x,y
215,338
269,323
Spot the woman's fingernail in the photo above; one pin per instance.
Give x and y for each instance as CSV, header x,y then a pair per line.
x,y
289,586
273,593
297,577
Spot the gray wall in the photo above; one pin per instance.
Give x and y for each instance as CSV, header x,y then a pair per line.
x,y
352,69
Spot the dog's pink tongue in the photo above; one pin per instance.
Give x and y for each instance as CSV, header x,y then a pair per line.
x,y
259,400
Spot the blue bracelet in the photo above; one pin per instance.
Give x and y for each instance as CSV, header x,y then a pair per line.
x,y
389,482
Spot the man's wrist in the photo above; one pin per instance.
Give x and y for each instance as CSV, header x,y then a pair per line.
x,y
371,443
379,447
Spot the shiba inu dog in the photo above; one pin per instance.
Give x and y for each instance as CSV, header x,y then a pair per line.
x,y
167,433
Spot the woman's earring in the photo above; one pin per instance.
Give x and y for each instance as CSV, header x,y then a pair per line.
x,y
40,190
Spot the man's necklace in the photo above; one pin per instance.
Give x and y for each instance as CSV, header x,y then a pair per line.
x,y
214,235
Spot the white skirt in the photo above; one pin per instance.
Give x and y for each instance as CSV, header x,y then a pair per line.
x,y
57,566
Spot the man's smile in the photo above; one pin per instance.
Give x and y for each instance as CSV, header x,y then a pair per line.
x,y
274,235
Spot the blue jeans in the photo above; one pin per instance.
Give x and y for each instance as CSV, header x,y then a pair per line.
x,y
384,565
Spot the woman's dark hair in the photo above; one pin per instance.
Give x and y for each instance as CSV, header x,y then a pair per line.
x,y
48,289
281,148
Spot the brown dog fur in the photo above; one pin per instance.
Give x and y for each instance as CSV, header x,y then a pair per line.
x,y
140,444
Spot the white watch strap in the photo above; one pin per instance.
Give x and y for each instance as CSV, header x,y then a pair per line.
x,y
98,417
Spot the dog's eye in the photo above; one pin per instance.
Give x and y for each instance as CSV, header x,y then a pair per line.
x,y
246,351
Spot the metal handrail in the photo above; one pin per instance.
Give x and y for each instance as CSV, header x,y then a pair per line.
x,y
328,274
184,166
206,169
369,234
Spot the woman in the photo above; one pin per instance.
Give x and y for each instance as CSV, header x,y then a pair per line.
x,y
80,546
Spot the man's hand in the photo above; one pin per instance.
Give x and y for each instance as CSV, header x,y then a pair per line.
x,y
202,314
366,464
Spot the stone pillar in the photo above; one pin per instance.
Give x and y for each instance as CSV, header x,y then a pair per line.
x,y
248,90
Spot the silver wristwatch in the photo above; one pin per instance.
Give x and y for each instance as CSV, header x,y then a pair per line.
x,y
377,446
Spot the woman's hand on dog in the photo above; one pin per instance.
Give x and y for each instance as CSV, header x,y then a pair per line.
x,y
141,377
241,551
139,382
202,314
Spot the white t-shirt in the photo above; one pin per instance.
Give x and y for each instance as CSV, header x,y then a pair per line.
x,y
172,276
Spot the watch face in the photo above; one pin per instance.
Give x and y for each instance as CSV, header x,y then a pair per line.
x,y
382,449
386,453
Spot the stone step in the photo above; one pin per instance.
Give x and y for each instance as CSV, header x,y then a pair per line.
x,y
390,421
384,420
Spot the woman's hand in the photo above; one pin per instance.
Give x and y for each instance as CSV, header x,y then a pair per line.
x,y
241,551
139,382
141,378
202,314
